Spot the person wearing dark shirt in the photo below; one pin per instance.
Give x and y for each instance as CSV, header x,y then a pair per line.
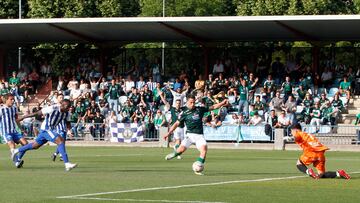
x,y
98,122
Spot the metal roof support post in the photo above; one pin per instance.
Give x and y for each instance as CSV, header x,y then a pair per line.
x,y
2,69
315,55
206,61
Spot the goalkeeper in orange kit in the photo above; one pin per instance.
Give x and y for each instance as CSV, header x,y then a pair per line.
x,y
313,153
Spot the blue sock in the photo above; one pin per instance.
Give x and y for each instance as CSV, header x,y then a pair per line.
x,y
62,150
23,149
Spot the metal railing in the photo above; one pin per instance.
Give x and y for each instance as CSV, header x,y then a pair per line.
x,y
334,134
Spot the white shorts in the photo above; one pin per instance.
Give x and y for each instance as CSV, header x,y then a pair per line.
x,y
192,138
179,133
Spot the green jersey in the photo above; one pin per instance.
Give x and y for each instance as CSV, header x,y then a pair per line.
x,y
259,105
316,113
322,101
14,81
114,91
243,91
345,85
175,115
327,112
308,102
337,103
192,118
301,93
287,87
4,91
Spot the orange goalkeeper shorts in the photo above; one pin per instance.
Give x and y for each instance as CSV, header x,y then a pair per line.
x,y
315,158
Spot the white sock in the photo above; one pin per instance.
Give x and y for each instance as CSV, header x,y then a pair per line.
x,y
337,174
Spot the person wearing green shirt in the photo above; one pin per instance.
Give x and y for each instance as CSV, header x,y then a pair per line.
x,y
192,118
316,116
287,88
3,90
14,83
337,103
175,113
345,87
357,119
301,94
113,96
243,106
328,113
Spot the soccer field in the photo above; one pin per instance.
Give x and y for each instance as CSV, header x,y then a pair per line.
x,y
119,174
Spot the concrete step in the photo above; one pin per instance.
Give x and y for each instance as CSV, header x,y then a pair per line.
x,y
353,111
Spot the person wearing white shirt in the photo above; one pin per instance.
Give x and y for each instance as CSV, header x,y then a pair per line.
x,y
129,83
255,120
218,67
72,83
140,84
178,95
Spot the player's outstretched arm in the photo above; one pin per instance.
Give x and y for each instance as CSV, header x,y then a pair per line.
x,y
38,113
218,105
171,130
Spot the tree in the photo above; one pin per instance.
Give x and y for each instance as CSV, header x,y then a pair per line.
x,y
188,8
9,9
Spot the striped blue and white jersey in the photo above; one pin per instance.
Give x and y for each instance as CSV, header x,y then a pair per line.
x,y
62,125
8,120
53,117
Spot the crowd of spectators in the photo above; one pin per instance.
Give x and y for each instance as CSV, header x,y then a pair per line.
x,y
278,95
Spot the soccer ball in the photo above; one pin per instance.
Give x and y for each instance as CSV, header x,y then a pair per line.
x,y
198,166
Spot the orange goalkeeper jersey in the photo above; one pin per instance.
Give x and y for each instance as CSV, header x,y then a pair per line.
x,y
308,142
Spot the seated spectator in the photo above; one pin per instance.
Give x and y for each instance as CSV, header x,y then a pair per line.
x,y
284,121
316,116
159,119
323,99
269,87
337,102
301,92
329,114
255,120
140,83
98,125
213,120
290,105
345,87
3,90
276,102
272,120
258,105
127,111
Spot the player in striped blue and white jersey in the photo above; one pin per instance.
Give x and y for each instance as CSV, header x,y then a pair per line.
x,y
54,115
8,124
62,127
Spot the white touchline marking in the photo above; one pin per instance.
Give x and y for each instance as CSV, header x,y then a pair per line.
x,y
141,200
184,186
180,186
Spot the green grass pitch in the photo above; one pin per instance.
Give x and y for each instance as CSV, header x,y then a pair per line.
x,y
125,174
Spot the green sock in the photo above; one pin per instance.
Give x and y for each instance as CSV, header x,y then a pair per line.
x,y
200,159
177,146
177,153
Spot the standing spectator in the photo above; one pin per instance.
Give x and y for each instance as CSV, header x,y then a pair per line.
x,y
243,100
140,83
22,75
178,95
151,84
72,83
156,70
287,88
269,87
218,67
326,78
129,83
301,94
278,70
104,85
200,83
14,83
34,79
113,95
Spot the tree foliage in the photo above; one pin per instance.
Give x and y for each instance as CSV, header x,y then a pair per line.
x,y
83,8
296,7
187,8
9,9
